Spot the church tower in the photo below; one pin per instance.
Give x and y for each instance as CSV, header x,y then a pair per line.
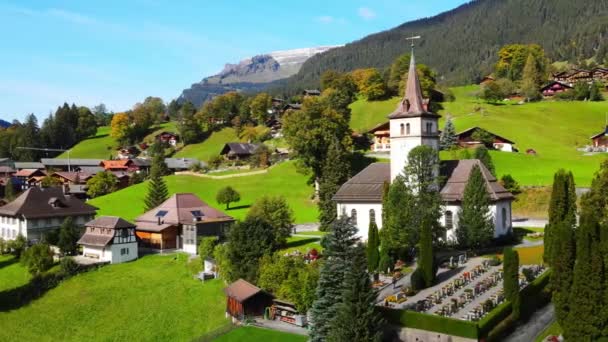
x,y
411,124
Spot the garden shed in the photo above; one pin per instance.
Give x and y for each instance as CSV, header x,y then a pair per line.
x,y
245,299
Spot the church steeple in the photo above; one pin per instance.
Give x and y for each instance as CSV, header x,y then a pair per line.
x,y
412,103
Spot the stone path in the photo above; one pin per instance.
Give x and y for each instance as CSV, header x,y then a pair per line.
x,y
539,321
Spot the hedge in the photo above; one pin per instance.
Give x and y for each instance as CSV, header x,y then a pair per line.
x,y
492,319
422,321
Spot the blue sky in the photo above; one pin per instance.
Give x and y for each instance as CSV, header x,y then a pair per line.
x,y
119,52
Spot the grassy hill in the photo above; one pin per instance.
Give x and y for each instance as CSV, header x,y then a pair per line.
x,y
554,129
152,299
282,179
210,147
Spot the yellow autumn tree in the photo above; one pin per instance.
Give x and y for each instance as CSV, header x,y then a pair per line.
x,y
120,127
369,83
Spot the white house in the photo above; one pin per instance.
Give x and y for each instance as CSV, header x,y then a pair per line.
x,y
109,238
37,211
412,125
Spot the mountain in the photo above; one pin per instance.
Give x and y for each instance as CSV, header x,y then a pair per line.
x,y
250,74
4,124
462,44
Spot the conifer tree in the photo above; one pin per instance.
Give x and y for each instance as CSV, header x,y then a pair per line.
x,y
373,242
398,232
562,208
69,234
531,79
335,171
484,156
339,244
448,138
426,261
357,319
475,228
511,280
157,189
562,265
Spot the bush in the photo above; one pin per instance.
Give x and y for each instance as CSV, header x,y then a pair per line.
x,y
3,247
38,258
215,161
17,246
68,266
417,280
495,261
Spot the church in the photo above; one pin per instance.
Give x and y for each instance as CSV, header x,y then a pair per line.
x,y
412,125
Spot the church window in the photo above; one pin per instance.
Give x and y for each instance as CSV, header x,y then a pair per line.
x,y
372,215
402,127
429,127
449,220
407,129
504,218
353,216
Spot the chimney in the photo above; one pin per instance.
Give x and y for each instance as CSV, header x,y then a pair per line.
x,y
158,219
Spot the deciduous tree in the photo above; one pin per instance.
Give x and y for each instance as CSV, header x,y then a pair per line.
x,y
227,195
38,258
69,234
101,184
276,212
248,241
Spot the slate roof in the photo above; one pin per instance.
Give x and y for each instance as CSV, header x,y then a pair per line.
x,y
472,129
239,148
72,162
92,169
28,165
241,290
110,222
182,163
141,162
91,239
7,169
366,186
37,202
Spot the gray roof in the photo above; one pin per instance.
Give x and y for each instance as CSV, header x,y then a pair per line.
x,y
92,169
38,202
141,162
28,165
366,186
71,162
239,148
110,222
182,163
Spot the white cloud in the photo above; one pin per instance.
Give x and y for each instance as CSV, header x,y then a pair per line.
x,y
325,19
366,13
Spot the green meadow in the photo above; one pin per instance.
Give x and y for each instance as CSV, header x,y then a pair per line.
x,y
253,334
210,147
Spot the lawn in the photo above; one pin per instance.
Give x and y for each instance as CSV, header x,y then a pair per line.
x,y
101,146
152,299
303,244
531,255
553,329
313,233
532,203
210,147
283,179
553,129
12,273
253,334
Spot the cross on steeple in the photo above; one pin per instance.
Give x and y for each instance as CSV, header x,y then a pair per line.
x,y
412,38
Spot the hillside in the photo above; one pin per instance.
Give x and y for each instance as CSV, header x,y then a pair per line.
x,y
462,44
210,147
4,124
553,129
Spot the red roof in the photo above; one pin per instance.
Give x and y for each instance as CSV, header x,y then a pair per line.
x,y
116,164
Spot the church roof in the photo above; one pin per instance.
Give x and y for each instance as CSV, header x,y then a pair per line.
x,y
412,104
367,185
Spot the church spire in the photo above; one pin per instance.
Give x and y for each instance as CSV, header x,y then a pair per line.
x,y
413,93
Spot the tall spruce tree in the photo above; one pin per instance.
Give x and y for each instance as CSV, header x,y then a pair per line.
x,y
373,243
531,79
9,189
562,208
157,189
426,260
357,319
448,139
335,171
398,232
562,265
511,280
475,228
484,156
339,244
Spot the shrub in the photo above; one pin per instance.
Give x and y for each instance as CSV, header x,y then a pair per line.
x,y
2,246
17,246
495,261
215,161
38,258
68,266
417,280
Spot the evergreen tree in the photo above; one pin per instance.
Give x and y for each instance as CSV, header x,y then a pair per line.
x,y
336,170
373,242
339,244
531,80
475,228
448,138
69,234
595,92
562,265
562,208
484,156
357,319
38,258
157,189
398,231
511,280
426,259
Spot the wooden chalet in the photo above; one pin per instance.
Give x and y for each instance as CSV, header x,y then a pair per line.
x,y
466,139
237,150
167,138
311,92
381,141
128,152
292,106
554,87
600,139
125,165
244,299
486,80
72,177
109,238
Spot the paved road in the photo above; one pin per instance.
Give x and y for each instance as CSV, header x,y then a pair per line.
x,y
534,327
525,222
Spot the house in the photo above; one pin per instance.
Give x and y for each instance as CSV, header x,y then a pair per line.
x,y
179,222
244,299
128,152
573,76
236,150
38,211
24,176
311,92
7,171
486,80
28,165
72,177
412,125
182,164
554,87
68,164
467,138
381,141
109,238
124,165
167,138
292,106
600,139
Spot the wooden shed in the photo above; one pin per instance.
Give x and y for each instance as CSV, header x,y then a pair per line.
x,y
245,299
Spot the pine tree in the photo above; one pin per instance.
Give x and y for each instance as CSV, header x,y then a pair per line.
x,y
398,231
373,242
357,319
335,171
475,228
426,261
511,280
157,189
484,156
562,265
531,79
338,244
562,208
448,138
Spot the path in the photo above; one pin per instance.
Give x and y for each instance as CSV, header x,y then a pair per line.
x,y
204,175
539,321
526,222
306,227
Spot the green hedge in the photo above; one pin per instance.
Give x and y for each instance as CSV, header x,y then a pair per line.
x,y
497,315
443,325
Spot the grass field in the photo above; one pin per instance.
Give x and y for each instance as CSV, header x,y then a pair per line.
x,y
553,129
282,179
211,147
152,299
101,146
12,273
532,203
253,334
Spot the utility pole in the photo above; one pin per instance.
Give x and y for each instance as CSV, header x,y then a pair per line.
x,y
49,150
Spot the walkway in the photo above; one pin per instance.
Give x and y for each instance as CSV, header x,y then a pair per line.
x,y
204,175
539,321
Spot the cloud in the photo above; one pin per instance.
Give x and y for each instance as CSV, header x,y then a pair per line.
x,y
366,13
328,19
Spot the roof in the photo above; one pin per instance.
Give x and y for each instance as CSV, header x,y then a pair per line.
x,y
6,169
312,92
548,85
181,163
457,173
28,165
141,162
412,104
239,148
115,164
37,203
92,169
183,208
600,134
366,186
92,239
27,172
380,127
152,226
110,222
71,176
241,290
472,129
71,162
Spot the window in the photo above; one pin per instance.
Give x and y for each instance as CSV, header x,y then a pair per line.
x,y
429,127
407,129
402,129
372,216
449,220
124,233
353,216
504,218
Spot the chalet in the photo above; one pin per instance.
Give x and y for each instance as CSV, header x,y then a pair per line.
x,y
486,80
554,87
600,74
238,150
122,178
167,138
142,164
311,92
70,164
244,299
181,164
38,211
292,106
72,177
92,169
7,171
600,139
573,76
277,102
381,138
24,175
125,165
179,222
109,238
128,152
467,137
